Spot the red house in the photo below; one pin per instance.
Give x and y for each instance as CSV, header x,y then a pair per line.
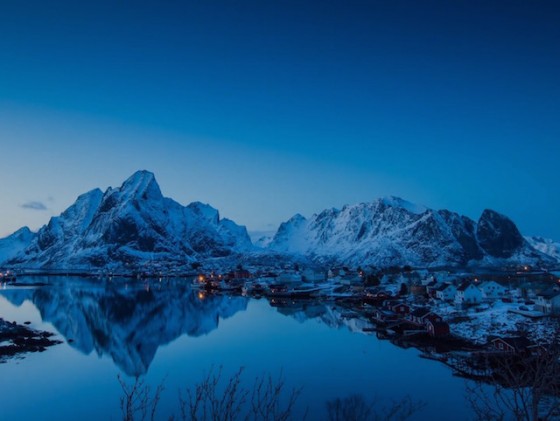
x,y
512,345
437,329
400,308
421,315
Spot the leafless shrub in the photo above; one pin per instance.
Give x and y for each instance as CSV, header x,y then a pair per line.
x,y
216,398
211,400
138,401
524,388
266,399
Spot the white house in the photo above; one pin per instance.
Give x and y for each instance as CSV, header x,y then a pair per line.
x,y
467,293
548,302
492,290
446,292
311,275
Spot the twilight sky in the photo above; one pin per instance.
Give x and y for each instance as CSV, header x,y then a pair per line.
x,y
264,109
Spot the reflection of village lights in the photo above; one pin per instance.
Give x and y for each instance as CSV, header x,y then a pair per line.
x,y
201,295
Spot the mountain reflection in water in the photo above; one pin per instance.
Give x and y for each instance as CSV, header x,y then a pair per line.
x,y
126,320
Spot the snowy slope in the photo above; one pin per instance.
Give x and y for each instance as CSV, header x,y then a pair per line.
x,y
392,231
129,226
15,243
546,246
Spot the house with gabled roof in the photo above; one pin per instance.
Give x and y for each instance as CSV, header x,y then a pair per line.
x,y
492,290
385,316
468,294
512,345
446,292
437,329
421,315
548,302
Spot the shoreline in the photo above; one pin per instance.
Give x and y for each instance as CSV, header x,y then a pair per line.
x,y
17,340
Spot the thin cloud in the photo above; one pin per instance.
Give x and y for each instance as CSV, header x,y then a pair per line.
x,y
34,205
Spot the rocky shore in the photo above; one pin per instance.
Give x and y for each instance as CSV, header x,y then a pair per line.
x,y
17,340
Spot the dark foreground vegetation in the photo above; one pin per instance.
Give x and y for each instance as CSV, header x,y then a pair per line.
x,y
219,398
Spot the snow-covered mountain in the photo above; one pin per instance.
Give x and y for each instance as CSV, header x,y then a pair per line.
x,y
14,244
392,231
546,246
127,226
134,226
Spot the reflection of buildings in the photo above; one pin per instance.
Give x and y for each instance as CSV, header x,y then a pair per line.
x,y
127,322
328,313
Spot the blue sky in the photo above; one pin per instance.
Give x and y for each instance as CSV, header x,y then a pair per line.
x,y
265,109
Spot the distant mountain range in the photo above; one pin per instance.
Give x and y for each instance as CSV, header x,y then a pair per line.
x,y
135,225
392,231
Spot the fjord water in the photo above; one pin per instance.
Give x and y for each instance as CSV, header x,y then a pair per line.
x,y
166,332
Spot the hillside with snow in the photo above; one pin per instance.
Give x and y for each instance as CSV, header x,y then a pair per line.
x,y
546,246
125,227
14,244
392,231
133,227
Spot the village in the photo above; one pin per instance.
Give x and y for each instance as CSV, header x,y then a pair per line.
x,y
511,311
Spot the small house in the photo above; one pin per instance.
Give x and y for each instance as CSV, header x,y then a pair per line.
x,y
385,316
468,294
421,315
401,308
437,329
492,290
431,288
446,292
548,302
512,345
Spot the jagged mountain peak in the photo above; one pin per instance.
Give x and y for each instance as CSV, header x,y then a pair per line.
x,y
297,219
397,202
498,235
205,211
392,231
142,184
129,225
23,232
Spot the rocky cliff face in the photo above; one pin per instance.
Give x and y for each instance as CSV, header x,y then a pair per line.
x,y
497,235
392,231
128,226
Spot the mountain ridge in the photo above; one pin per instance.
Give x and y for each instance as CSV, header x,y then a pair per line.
x,y
129,226
393,231
134,226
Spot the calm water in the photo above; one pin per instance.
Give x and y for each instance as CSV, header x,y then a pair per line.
x,y
165,330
